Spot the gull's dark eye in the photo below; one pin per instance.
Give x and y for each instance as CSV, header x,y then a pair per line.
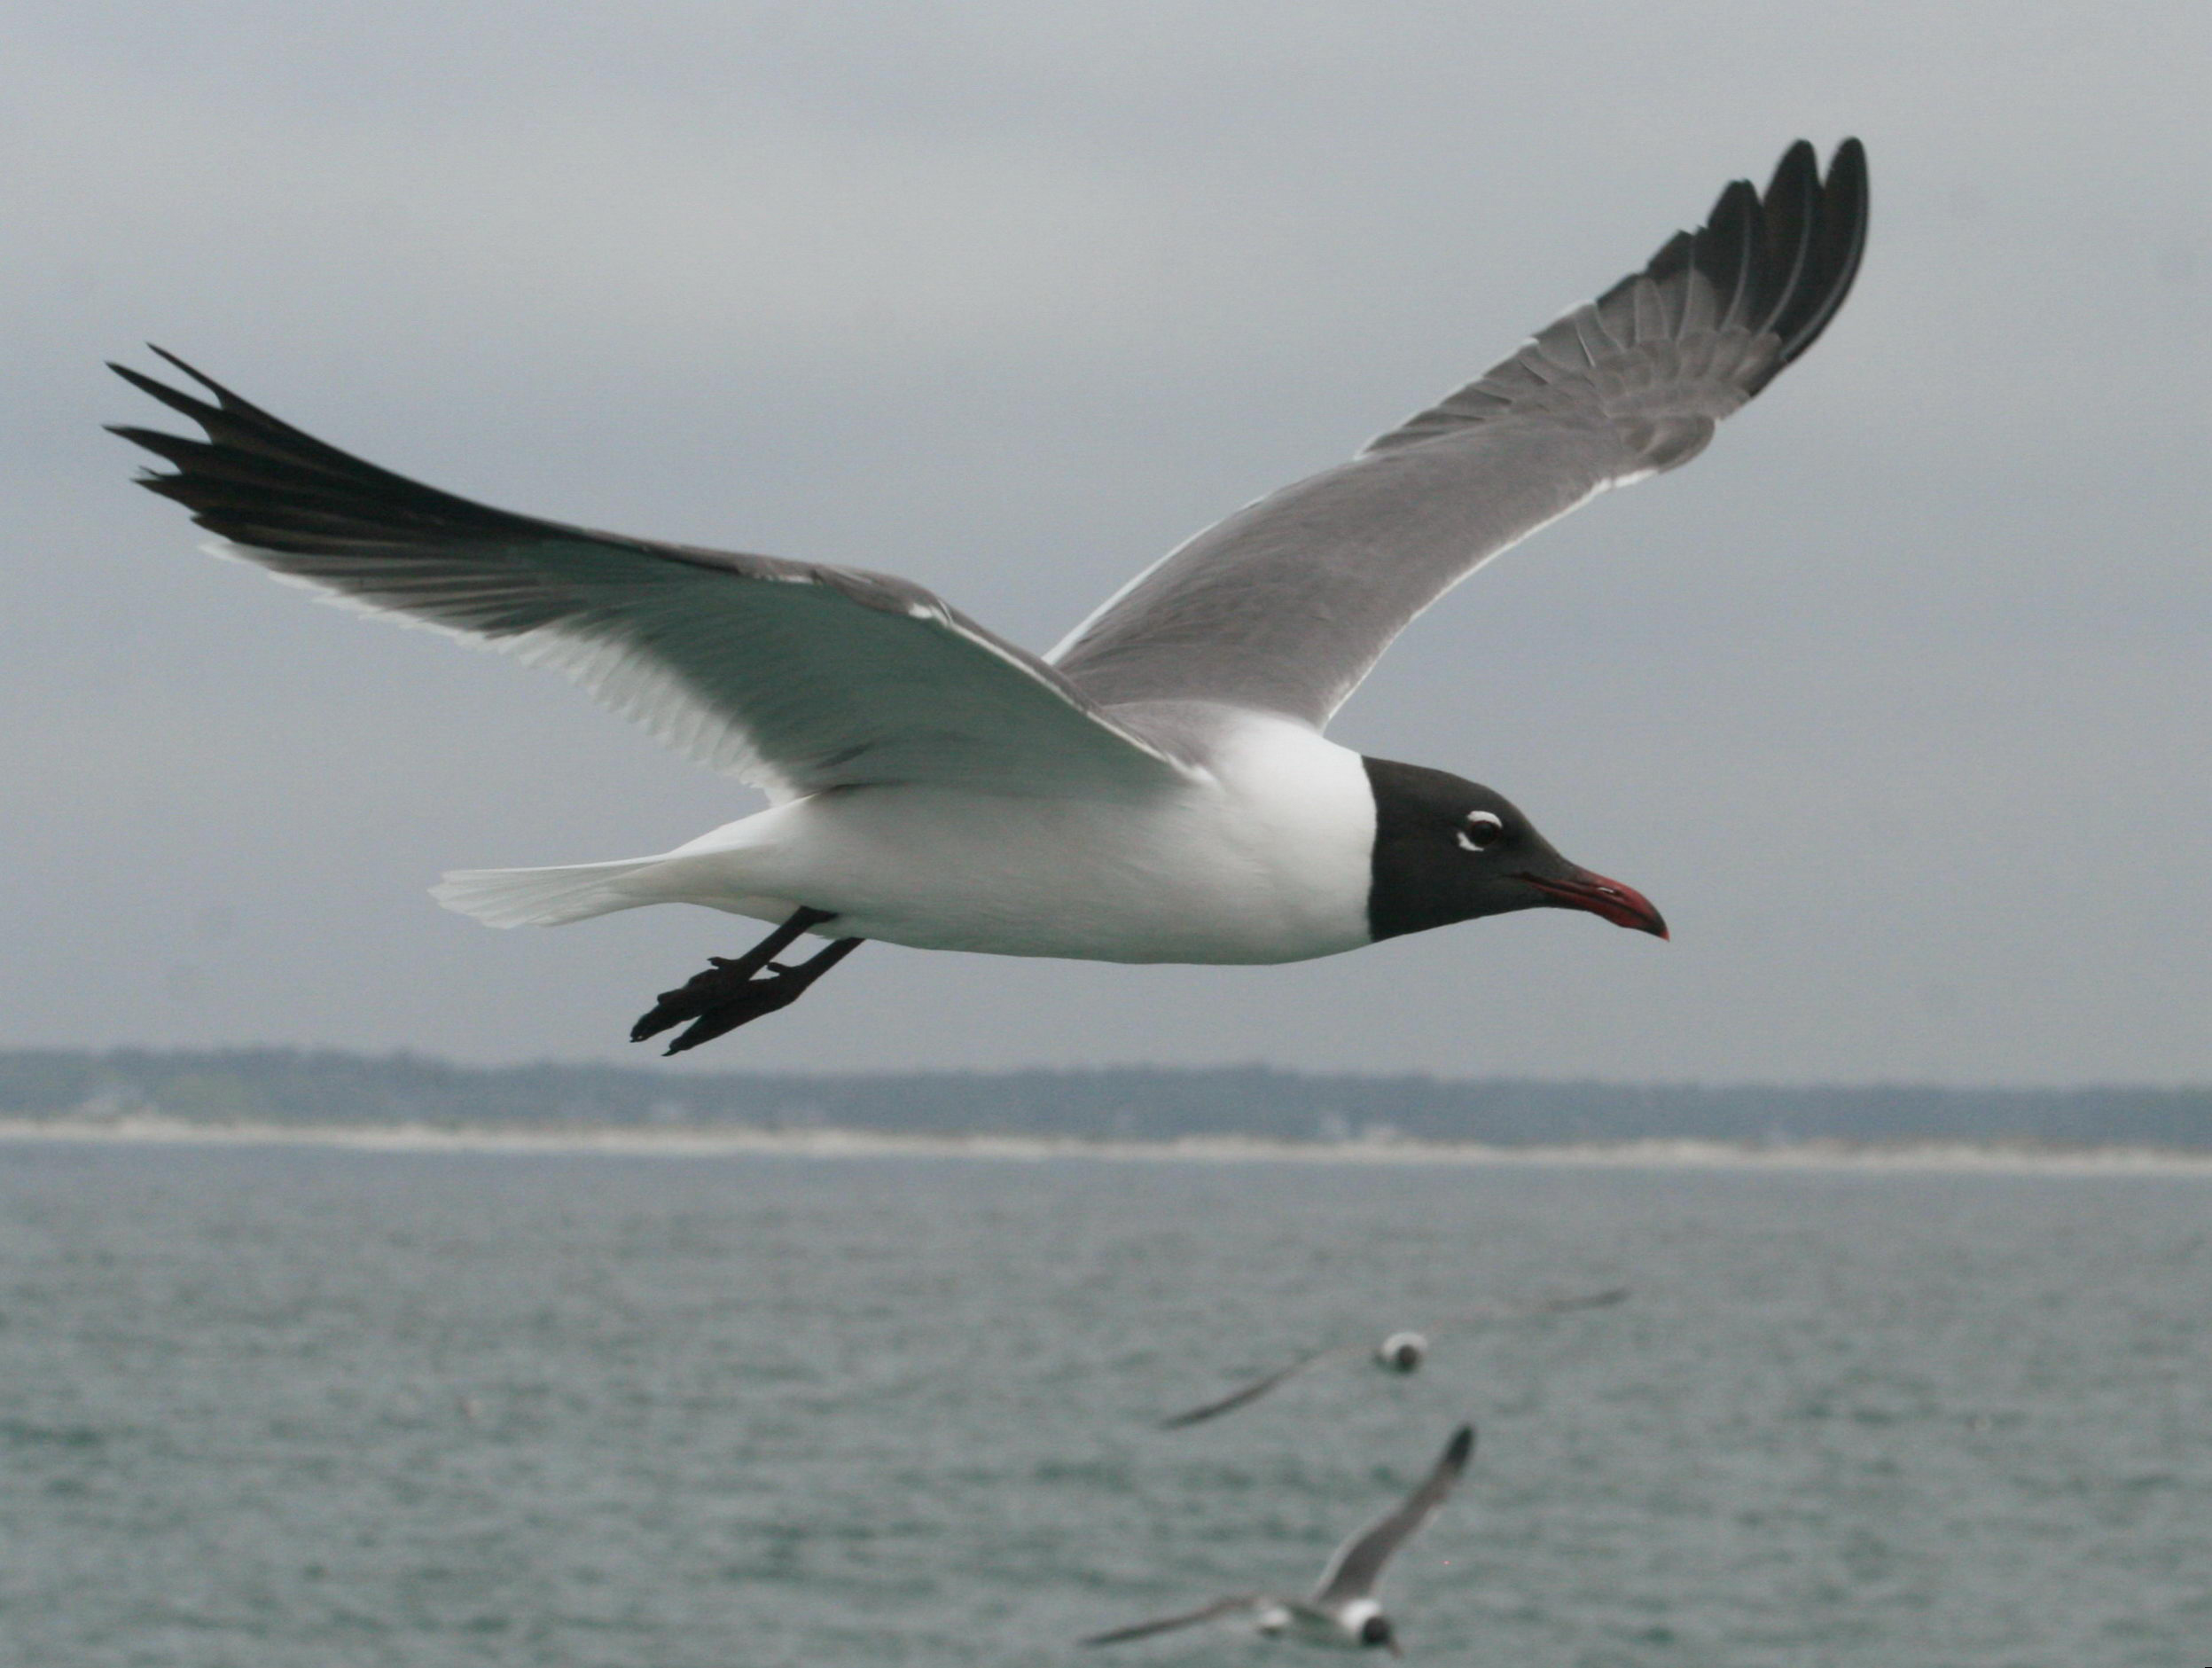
x,y
1481,831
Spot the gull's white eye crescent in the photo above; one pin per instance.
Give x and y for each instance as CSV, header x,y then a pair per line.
x,y
1482,830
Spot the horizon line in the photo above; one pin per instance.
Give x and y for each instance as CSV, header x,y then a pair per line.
x,y
702,1072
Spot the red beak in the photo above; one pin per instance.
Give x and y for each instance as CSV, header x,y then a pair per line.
x,y
1622,906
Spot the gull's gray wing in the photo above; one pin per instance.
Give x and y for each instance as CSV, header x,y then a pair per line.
x,y
1286,605
1496,1312
796,677
1212,1612
1251,1392
1352,1573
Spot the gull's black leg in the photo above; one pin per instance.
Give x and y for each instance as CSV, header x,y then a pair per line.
x,y
730,992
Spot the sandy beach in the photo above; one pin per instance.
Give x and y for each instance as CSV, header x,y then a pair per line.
x,y
1958,1158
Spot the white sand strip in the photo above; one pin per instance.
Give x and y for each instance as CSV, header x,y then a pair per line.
x,y
1956,1156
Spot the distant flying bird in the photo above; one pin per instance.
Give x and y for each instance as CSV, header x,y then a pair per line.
x,y
1157,789
1342,1609
1400,1353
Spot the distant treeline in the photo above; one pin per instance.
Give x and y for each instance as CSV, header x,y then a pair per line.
x,y
276,1085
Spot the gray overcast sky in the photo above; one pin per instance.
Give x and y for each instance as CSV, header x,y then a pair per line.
x,y
1895,700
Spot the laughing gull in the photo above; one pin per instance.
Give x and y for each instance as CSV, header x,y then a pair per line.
x,y
1342,1609
1400,1352
1157,789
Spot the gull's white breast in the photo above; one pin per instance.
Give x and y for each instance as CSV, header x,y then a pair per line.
x,y
1263,857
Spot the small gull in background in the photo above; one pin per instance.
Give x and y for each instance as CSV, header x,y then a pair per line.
x,y
1400,1353
1342,1609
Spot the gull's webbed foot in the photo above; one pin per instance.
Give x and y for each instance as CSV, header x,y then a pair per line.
x,y
734,992
720,1000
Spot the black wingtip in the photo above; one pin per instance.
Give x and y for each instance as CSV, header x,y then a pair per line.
x,y
225,404
1191,1417
197,375
230,403
175,399
1842,234
1460,1449
1799,159
140,379
1817,236
1726,248
1781,261
259,480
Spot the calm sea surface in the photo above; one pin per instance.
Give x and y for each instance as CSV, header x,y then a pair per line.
x,y
271,1406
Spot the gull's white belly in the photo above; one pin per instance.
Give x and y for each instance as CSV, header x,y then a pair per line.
x,y
1266,860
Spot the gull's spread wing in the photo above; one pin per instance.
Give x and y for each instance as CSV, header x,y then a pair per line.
x,y
1286,605
1496,1312
1352,1573
1212,1612
791,676
1251,1392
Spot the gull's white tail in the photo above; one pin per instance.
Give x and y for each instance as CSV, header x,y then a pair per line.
x,y
544,897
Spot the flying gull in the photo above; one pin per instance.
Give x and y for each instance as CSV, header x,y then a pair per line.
x,y
1342,1609
1158,788
1400,1352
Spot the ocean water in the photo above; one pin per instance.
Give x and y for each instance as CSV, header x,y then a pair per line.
x,y
293,1407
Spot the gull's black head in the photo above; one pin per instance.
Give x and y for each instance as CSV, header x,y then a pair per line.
x,y
1376,1630
1448,850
